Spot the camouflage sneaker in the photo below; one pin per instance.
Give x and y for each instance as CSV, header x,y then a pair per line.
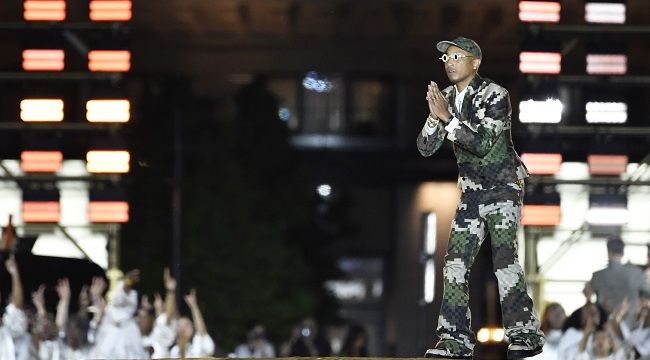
x,y
449,350
522,347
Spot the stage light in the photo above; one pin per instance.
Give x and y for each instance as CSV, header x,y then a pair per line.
x,y
605,12
430,243
607,215
532,62
606,64
324,190
114,111
107,204
607,164
44,10
313,81
542,163
43,60
41,204
109,60
41,211
541,215
539,11
41,161
607,209
541,207
483,335
110,10
547,111
108,211
488,334
41,110
108,161
606,112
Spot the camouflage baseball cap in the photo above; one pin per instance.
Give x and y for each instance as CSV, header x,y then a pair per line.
x,y
464,43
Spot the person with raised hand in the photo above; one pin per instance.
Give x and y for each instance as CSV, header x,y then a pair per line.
x,y
118,336
45,332
157,321
193,340
14,320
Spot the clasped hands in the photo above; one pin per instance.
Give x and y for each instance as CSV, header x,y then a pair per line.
x,y
437,103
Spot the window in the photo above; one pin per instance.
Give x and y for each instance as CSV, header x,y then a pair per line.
x,y
331,104
286,90
324,104
369,107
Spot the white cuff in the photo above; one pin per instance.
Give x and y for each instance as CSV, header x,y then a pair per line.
x,y
452,124
428,130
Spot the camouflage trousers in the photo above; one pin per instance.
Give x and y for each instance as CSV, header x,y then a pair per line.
x,y
497,211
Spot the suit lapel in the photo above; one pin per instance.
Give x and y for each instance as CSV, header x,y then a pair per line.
x,y
466,108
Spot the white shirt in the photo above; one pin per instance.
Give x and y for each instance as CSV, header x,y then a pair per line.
x,y
569,345
13,328
460,96
161,337
639,338
81,353
201,346
245,351
585,355
118,336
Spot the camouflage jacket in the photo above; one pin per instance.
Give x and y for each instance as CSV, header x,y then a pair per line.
x,y
482,141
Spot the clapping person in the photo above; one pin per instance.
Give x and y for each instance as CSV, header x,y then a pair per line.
x,y
578,326
604,346
637,336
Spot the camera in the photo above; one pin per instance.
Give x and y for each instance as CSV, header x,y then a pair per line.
x,y
305,332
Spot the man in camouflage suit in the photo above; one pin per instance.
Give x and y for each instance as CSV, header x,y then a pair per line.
x,y
474,114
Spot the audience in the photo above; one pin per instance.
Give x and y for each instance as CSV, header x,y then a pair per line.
x,y
118,335
355,343
192,340
604,345
126,326
157,322
256,345
636,338
617,281
75,341
552,320
307,341
580,324
14,319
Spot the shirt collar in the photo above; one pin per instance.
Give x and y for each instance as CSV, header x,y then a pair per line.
x,y
459,97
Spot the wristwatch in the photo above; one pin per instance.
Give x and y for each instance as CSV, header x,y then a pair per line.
x,y
449,119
